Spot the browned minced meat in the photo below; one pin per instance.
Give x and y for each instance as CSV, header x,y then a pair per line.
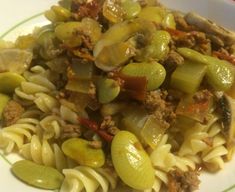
x,y
83,9
12,112
71,131
109,125
195,39
174,59
202,96
179,181
157,105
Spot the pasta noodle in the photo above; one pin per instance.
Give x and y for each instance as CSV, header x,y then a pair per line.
x,y
37,89
213,157
14,136
164,161
83,177
44,153
52,126
120,95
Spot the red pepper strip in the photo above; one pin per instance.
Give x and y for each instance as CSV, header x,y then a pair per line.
x,y
224,56
176,33
198,107
95,127
135,87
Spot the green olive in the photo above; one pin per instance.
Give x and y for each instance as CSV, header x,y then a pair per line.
x,y
37,175
83,153
3,102
108,90
68,33
154,72
131,162
9,81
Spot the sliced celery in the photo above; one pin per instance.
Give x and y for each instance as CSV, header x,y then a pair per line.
x,y
134,120
194,109
220,73
188,76
79,85
82,70
152,132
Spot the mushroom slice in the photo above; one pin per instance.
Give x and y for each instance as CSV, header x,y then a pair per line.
x,y
210,27
227,109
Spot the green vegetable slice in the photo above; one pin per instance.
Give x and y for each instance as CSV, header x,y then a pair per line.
x,y
154,72
188,76
37,175
131,162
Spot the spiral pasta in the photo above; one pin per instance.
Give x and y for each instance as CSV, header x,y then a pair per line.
x,y
88,179
37,89
164,161
212,157
42,152
51,126
16,135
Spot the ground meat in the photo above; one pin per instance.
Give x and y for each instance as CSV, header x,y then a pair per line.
x,y
109,125
81,9
179,181
174,59
162,110
203,44
185,41
195,39
12,112
202,96
71,131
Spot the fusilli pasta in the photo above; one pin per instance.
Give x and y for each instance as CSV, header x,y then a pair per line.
x,y
16,135
83,177
164,161
37,89
44,153
213,156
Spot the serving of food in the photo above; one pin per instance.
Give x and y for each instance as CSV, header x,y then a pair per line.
x,y
118,96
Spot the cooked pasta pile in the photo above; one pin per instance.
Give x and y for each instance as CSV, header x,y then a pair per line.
x,y
119,96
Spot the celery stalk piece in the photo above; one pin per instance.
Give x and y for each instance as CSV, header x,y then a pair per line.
x,y
220,73
188,76
152,132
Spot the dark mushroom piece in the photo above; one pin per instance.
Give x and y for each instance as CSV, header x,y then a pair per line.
x,y
226,106
210,27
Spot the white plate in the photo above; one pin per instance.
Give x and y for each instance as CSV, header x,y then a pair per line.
x,y
20,17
